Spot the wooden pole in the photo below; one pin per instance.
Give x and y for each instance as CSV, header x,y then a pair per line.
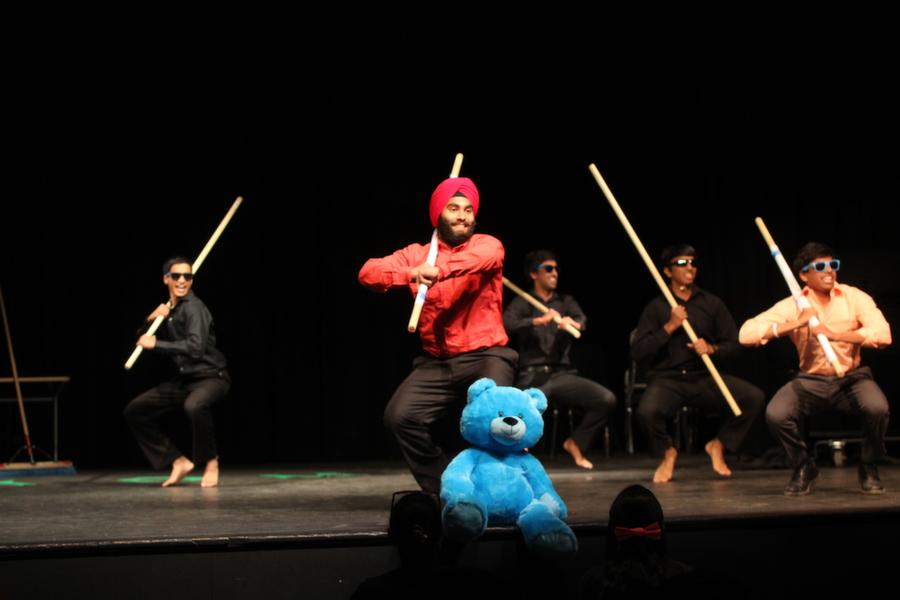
x,y
16,382
432,258
540,306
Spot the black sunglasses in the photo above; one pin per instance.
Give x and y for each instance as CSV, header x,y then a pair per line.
x,y
820,265
683,262
177,276
549,268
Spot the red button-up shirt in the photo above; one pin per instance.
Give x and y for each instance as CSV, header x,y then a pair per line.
x,y
463,311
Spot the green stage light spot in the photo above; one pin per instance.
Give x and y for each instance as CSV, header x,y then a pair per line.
x,y
157,479
316,475
14,483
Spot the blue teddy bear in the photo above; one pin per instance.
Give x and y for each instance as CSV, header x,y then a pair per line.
x,y
497,482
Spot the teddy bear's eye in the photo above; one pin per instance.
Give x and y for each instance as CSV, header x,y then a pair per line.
x,y
521,416
500,414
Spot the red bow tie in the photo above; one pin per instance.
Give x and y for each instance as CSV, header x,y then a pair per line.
x,y
652,531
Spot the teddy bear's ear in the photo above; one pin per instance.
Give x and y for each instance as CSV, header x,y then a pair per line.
x,y
479,387
538,399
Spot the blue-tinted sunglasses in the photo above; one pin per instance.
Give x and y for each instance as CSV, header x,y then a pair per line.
x,y
820,265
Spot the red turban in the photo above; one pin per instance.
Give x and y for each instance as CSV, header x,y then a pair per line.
x,y
446,190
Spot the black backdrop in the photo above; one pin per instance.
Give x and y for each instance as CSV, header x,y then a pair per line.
x,y
116,168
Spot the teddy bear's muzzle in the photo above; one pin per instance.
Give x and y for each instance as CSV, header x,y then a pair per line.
x,y
507,430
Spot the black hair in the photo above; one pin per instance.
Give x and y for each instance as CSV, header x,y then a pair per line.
x,y
175,260
808,252
637,564
535,258
670,252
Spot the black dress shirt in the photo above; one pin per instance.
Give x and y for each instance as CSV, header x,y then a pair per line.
x,y
548,345
191,338
664,353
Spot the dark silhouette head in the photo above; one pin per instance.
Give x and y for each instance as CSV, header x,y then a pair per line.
x,y
636,521
637,564
415,527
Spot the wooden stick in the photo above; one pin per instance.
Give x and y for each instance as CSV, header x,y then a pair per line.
x,y
194,268
432,257
801,300
541,307
38,379
457,165
16,382
664,288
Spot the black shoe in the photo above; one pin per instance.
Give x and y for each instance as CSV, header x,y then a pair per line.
x,y
869,479
802,479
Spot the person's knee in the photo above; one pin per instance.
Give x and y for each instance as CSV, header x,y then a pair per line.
x,y
608,399
754,400
777,414
648,411
130,413
879,410
393,418
194,408
503,375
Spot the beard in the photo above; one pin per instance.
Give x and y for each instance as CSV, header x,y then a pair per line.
x,y
445,232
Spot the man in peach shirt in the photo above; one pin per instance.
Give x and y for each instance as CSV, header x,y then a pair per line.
x,y
850,319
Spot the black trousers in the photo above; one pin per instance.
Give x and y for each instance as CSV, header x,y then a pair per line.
x,y
805,395
568,389
666,394
196,396
434,388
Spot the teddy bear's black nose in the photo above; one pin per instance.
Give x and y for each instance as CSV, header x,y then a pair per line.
x,y
510,421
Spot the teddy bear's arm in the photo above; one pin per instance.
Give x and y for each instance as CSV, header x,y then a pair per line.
x,y
542,486
456,482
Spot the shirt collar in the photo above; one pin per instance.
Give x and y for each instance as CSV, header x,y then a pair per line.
x,y
553,295
188,298
696,290
835,291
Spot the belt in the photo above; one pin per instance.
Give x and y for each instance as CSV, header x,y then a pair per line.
x,y
539,369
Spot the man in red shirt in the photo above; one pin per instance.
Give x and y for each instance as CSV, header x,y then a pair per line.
x,y
461,326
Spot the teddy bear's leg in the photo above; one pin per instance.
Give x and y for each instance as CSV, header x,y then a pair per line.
x,y
464,521
544,532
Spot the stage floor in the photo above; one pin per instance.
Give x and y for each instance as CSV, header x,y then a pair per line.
x,y
310,503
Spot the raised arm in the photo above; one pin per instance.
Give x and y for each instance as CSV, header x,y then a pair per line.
x,y
483,254
392,271
779,320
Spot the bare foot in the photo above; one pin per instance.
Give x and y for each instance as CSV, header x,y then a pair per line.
x,y
180,468
716,451
210,474
667,467
572,448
